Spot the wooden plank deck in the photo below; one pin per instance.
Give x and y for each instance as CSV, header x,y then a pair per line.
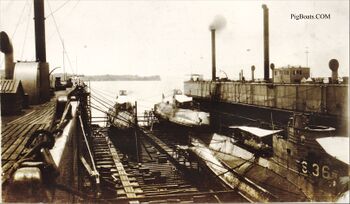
x,y
16,133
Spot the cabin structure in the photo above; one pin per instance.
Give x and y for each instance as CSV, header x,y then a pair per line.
x,y
290,74
12,96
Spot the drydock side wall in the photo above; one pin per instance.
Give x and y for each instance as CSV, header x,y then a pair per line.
x,y
329,99
274,103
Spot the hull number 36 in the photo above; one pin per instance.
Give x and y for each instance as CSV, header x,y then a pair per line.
x,y
315,169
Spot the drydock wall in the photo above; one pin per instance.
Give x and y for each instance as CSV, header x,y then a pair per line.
x,y
326,99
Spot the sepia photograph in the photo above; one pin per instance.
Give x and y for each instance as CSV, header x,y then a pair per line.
x,y
174,101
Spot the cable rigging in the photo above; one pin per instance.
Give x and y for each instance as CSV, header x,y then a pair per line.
x,y
20,18
60,37
58,8
26,32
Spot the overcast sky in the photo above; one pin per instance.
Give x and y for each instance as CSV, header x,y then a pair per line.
x,y
172,37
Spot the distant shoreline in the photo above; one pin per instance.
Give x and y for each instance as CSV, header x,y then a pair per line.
x,y
108,77
121,80
105,77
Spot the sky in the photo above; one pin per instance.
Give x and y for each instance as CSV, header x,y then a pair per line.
x,y
172,38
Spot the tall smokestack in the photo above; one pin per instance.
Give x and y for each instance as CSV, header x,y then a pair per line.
x,y
213,57
7,49
39,20
266,43
218,23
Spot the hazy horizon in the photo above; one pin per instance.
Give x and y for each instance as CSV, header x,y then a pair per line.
x,y
171,38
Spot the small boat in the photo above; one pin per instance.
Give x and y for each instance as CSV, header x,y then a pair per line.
x,y
122,115
180,110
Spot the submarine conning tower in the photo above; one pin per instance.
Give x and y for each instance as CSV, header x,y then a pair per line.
x,y
34,76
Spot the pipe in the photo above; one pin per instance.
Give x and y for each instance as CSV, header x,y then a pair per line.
x,y
7,48
333,66
253,69
213,70
272,67
40,50
39,21
266,43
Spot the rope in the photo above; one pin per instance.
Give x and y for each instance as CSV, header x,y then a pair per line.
x,y
75,5
88,148
60,37
105,92
61,6
101,103
26,33
20,18
109,101
113,116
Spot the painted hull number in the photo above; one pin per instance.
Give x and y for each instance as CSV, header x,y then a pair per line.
x,y
315,169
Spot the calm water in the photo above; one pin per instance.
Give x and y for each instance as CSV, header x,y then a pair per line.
x,y
146,93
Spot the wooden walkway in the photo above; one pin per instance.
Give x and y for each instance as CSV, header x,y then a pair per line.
x,y
15,134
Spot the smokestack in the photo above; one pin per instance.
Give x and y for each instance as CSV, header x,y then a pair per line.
x,y
218,23
213,57
39,21
7,49
253,69
334,65
266,43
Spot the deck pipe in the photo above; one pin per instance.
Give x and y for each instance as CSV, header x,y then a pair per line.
x,y
266,43
213,57
334,65
272,67
253,69
7,48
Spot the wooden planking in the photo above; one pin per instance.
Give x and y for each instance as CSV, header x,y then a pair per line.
x,y
7,128
16,133
13,146
42,114
20,144
21,130
8,137
5,137
6,167
21,119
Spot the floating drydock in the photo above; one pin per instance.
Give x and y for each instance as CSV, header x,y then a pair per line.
x,y
327,102
274,99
